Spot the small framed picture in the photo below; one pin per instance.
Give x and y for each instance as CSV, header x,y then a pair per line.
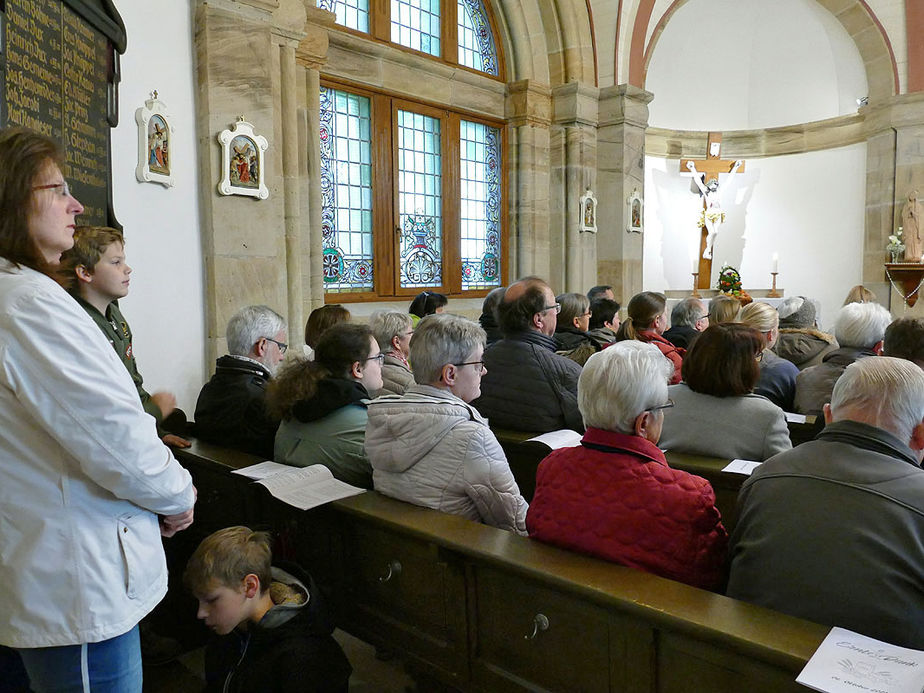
x,y
242,161
634,212
588,212
155,141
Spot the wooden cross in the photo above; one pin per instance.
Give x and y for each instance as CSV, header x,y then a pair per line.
x,y
712,166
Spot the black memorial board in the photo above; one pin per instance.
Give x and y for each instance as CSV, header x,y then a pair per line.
x,y
58,76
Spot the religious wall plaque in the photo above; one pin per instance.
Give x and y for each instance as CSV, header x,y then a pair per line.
x,y
59,73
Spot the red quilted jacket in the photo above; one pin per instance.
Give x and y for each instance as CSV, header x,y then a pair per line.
x,y
615,497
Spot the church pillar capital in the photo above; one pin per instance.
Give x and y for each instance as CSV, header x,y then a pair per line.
x,y
624,104
529,103
312,49
575,103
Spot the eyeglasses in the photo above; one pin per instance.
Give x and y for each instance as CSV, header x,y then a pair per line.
x,y
759,356
380,357
556,306
668,405
480,364
282,345
65,188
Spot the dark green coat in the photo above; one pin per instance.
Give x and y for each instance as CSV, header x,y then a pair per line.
x,y
115,327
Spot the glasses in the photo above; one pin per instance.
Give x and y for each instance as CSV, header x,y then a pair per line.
x,y
556,306
759,356
65,188
282,345
668,405
380,357
480,364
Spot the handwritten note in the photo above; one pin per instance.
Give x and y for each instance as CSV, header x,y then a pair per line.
x,y
745,467
848,661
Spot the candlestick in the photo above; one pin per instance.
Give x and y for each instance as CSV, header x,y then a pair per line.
x,y
773,292
695,293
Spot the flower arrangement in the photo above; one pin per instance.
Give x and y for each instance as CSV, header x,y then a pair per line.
x,y
730,283
896,245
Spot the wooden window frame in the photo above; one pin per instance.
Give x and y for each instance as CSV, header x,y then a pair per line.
x,y
385,206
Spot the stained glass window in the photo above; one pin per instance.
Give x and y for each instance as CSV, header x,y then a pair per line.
x,y
480,205
476,42
350,13
346,191
416,24
420,200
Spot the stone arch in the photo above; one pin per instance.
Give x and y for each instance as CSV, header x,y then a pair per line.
x,y
855,16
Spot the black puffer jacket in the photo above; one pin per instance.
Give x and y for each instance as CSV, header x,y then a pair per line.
x,y
230,410
528,387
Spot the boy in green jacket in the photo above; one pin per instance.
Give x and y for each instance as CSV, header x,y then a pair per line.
x,y
95,273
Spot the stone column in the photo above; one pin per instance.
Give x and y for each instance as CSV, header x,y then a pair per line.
x,y
528,110
574,145
623,119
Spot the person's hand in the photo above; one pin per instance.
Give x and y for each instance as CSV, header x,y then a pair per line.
x,y
175,441
165,401
171,524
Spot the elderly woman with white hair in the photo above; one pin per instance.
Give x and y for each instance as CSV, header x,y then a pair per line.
x,y
432,448
777,375
392,329
615,496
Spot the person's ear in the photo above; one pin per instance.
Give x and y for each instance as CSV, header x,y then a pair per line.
x,y
260,347
537,321
448,375
575,323
394,343
828,416
878,348
917,437
643,424
83,274
356,370
251,586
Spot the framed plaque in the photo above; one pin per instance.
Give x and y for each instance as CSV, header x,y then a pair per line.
x,y
155,138
242,161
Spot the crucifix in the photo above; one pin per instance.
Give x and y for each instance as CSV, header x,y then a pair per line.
x,y
706,176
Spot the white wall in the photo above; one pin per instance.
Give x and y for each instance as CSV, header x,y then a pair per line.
x,y
166,305
750,64
807,207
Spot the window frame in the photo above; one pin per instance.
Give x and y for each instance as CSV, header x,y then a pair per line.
x,y
385,203
380,31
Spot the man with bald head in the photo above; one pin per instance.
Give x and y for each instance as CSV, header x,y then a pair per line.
x,y
528,387
833,530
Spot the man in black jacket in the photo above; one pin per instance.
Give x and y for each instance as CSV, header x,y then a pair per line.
x,y
230,410
528,387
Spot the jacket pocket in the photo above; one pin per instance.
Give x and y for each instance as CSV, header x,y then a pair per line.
x,y
140,545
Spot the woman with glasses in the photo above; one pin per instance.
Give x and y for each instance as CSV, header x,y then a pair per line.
x,y
87,488
432,448
393,330
615,496
716,413
322,404
571,331
777,375
647,322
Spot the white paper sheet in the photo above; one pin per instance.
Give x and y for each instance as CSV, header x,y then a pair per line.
x,y
565,438
741,467
795,418
262,470
308,487
847,661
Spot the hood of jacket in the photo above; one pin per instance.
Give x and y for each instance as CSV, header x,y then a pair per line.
x,y
331,395
402,430
802,345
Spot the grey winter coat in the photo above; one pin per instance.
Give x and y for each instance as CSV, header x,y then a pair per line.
x,y
396,377
430,448
814,385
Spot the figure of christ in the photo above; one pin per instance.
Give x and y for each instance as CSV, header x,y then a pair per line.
x,y
712,215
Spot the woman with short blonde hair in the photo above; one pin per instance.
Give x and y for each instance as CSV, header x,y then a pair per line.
x,y
777,375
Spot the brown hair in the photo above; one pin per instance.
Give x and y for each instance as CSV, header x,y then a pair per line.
x,y
643,309
860,294
90,243
321,319
722,361
24,155
516,314
227,557
723,308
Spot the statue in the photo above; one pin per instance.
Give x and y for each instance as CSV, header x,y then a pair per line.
x,y
712,215
911,223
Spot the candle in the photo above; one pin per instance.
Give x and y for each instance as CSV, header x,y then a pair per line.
x,y
775,267
695,269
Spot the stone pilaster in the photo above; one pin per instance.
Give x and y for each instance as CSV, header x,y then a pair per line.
x,y
623,118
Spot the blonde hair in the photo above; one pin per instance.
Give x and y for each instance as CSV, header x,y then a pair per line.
x,y
227,557
723,308
762,317
859,294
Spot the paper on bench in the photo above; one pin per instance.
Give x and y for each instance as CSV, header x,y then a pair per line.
x,y
848,661
307,487
745,467
262,470
565,438
795,418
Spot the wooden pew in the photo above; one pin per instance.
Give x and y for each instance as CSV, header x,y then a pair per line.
x,y
479,608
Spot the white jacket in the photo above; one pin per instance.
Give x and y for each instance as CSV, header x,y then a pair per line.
x,y
430,448
82,474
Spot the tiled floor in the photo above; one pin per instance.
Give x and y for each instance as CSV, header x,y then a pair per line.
x,y
370,675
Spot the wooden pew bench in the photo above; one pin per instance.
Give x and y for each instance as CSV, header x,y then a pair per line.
x,y
478,608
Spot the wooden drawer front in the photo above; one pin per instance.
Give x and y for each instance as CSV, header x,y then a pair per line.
x,y
571,654
405,594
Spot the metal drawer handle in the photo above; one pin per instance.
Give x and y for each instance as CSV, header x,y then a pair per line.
x,y
394,568
540,623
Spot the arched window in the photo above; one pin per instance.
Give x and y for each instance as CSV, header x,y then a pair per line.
x,y
476,40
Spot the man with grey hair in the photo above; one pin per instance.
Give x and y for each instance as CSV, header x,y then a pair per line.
x,y
392,330
615,496
688,318
833,530
859,329
230,410
904,339
432,448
